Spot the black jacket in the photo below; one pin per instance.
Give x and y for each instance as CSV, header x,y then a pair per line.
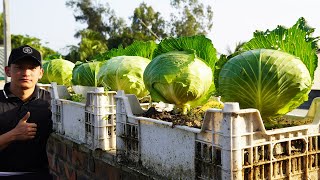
x,y
30,155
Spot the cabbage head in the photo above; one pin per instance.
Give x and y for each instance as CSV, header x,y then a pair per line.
x,y
59,71
272,81
44,79
178,77
124,73
85,74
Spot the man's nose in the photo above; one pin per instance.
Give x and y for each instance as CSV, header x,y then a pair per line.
x,y
26,72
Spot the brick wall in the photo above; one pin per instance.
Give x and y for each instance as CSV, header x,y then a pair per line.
x,y
69,160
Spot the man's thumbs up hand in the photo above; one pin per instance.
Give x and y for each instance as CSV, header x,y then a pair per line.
x,y
25,130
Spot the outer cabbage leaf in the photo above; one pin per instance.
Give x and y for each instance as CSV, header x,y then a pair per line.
x,y
124,73
201,45
59,71
180,78
272,81
137,48
85,74
296,40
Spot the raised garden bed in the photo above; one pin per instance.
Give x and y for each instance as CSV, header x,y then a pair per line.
x,y
232,143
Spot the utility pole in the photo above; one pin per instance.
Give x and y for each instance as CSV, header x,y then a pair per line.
x,y
7,35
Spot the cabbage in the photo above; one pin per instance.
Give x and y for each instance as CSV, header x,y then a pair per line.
x,y
59,71
272,81
85,74
124,73
179,78
44,79
181,72
296,40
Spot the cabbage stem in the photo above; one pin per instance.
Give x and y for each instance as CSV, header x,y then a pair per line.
x,y
182,108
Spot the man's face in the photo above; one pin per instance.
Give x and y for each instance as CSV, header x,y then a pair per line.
x,y
25,73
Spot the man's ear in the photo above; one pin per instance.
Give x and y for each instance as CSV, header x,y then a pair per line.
x,y
7,70
41,73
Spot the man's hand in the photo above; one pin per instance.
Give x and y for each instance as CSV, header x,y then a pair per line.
x,y
25,130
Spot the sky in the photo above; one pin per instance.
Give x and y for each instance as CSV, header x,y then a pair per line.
x,y
234,21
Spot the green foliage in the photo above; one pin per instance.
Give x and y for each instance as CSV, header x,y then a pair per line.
x,y
85,74
90,45
20,40
201,45
147,24
192,18
76,97
138,48
74,54
53,56
98,17
296,40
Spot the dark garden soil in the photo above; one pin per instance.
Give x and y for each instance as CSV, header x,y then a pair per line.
x,y
195,119
192,119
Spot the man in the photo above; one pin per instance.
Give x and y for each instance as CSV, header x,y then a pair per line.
x,y
25,118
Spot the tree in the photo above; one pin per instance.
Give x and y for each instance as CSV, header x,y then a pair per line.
x,y
73,54
99,17
192,18
20,40
147,24
90,45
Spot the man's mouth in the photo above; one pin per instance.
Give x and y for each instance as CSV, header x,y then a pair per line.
x,y
25,80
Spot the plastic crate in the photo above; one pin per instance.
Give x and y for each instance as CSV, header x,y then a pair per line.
x,y
231,144
91,123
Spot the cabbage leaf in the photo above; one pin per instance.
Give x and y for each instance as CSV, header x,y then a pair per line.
x,y
85,73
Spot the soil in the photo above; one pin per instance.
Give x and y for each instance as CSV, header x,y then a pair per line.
x,y
192,119
283,121
195,118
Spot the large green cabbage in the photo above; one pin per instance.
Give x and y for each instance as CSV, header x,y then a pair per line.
x,y
272,81
85,74
178,77
181,72
44,79
124,73
59,71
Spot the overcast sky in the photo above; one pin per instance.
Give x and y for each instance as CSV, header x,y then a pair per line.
x,y
234,20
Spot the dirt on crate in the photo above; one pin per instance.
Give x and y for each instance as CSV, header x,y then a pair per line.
x,y
286,121
191,120
194,117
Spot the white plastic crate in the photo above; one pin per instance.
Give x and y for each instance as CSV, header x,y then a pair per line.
x,y
57,92
91,123
231,144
